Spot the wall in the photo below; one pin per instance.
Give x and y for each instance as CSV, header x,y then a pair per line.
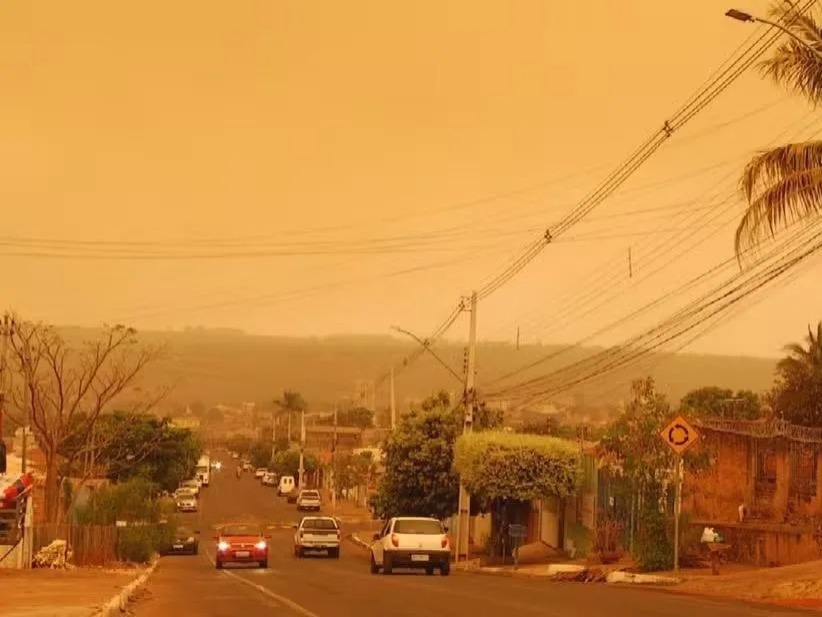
x,y
769,545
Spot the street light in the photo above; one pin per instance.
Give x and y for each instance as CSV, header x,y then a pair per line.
x,y
747,17
426,345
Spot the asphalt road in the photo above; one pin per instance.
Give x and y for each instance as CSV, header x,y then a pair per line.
x,y
185,586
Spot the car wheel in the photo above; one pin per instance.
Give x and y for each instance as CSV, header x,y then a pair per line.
x,y
219,565
374,567
300,552
334,552
264,564
386,564
445,570
429,571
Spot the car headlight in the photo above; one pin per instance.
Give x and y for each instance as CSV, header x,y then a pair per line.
x,y
222,546
260,545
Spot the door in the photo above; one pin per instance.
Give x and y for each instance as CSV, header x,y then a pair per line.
x,y
378,546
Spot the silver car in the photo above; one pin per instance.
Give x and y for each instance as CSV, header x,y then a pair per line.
x,y
309,500
186,501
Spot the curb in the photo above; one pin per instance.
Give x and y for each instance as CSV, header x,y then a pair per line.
x,y
119,602
354,538
640,579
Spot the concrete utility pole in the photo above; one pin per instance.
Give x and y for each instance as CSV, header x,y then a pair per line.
x,y
334,463
273,433
393,402
302,449
469,398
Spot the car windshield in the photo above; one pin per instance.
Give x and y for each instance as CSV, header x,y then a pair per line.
x,y
418,526
184,532
241,530
185,493
319,523
311,494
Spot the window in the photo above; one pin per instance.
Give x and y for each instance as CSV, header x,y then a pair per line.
x,y
419,526
804,465
319,523
310,494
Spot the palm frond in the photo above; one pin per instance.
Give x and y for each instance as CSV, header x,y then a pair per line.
x,y
793,65
781,186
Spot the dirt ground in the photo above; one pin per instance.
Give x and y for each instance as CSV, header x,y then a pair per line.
x,y
63,591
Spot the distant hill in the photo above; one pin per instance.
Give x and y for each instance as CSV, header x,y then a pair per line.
x,y
212,366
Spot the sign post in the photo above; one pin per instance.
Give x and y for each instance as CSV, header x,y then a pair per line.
x,y
516,533
678,435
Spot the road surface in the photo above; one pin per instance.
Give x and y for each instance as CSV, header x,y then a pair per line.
x,y
319,587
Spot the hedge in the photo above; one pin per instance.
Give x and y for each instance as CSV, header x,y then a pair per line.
x,y
497,464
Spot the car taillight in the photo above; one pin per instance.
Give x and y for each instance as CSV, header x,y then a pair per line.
x,y
395,540
445,542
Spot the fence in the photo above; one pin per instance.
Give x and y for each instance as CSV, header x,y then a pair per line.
x,y
92,545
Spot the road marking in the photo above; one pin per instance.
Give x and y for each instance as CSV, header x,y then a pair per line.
x,y
266,592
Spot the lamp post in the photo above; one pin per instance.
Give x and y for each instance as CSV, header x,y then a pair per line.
x,y
747,17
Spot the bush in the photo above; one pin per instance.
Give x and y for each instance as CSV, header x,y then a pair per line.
x,y
654,550
138,543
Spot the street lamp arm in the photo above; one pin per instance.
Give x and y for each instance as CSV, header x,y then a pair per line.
x,y
747,17
426,345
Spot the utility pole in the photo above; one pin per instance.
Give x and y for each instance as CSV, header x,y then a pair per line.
x,y
469,398
273,433
4,333
334,463
301,473
393,402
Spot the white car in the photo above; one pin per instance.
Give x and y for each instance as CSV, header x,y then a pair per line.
x,y
309,500
411,542
317,533
260,472
270,479
192,485
186,501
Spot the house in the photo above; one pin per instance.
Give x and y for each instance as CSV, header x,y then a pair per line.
x,y
761,489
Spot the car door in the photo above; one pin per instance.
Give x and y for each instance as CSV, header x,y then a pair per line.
x,y
378,545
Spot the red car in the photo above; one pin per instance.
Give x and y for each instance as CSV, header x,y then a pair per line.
x,y
242,543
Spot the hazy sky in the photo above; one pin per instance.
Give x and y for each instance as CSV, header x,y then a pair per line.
x,y
377,159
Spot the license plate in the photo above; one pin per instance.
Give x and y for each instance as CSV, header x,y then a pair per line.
x,y
419,557
178,546
242,553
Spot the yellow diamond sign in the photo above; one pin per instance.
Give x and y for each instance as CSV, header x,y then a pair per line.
x,y
679,435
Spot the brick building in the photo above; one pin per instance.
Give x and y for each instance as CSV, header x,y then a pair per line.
x,y
762,489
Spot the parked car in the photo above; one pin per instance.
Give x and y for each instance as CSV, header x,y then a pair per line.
x,y
184,542
193,485
286,486
309,500
241,543
186,501
260,472
270,479
411,542
317,533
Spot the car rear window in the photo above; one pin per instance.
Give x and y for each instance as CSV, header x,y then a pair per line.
x,y
418,526
319,523
311,494
241,530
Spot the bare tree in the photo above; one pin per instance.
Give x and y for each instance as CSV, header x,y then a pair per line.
x,y
61,391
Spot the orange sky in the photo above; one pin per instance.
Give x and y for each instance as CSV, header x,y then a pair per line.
x,y
288,125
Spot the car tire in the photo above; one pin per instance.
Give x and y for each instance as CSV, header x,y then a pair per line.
x,y
445,570
300,552
219,565
334,553
386,564
429,571
374,567
264,564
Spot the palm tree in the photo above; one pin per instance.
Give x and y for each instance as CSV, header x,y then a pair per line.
x,y
784,185
290,403
803,360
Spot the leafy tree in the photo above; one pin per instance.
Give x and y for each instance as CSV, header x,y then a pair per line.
x,y
260,453
287,462
784,184
63,390
797,393
353,470
241,444
634,451
419,476
715,402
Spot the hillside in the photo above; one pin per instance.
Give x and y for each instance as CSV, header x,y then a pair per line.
x,y
211,366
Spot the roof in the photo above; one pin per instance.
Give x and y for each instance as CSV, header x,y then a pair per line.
x,y
762,429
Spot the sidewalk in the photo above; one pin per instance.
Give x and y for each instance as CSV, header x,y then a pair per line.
x,y
80,592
